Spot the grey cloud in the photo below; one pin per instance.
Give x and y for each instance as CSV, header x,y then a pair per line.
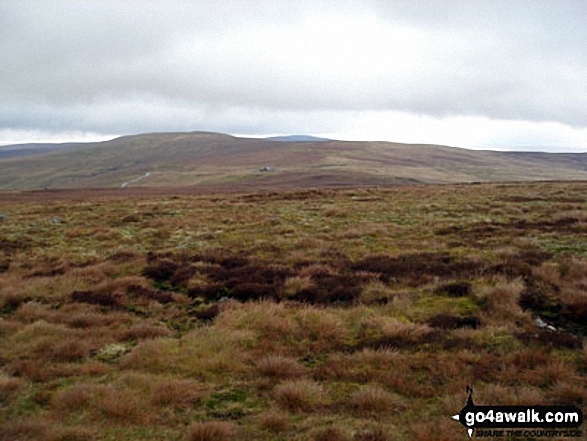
x,y
130,66
140,116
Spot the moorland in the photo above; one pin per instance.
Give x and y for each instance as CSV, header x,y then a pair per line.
x,y
317,314
218,162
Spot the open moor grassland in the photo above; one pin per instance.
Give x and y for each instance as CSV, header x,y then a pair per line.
x,y
324,315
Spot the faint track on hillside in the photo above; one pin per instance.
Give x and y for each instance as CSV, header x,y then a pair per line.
x,y
125,184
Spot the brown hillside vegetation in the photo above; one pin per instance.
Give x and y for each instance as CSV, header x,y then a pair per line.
x,y
212,161
320,314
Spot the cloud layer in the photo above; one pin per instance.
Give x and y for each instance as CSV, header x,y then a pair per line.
x,y
272,67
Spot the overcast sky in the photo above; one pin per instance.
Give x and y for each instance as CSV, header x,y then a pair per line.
x,y
477,74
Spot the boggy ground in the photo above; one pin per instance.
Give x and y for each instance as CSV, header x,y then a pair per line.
x,y
355,314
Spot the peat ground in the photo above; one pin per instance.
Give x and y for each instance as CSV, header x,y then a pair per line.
x,y
319,314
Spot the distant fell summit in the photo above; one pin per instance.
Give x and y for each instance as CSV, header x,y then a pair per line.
x,y
297,138
224,162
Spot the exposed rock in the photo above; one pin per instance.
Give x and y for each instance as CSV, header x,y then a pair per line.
x,y
543,325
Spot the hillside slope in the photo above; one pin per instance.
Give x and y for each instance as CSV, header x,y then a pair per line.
x,y
217,160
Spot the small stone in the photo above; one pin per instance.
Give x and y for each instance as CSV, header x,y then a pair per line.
x,y
3,217
56,220
543,325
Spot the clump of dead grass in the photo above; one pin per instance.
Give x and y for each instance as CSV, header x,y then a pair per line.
x,y
510,395
331,433
376,292
274,421
501,302
75,398
9,387
26,429
295,286
280,367
364,365
104,402
378,331
375,434
210,431
550,373
375,399
70,350
177,393
49,341
144,331
300,395
567,392
10,298
91,319
209,351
